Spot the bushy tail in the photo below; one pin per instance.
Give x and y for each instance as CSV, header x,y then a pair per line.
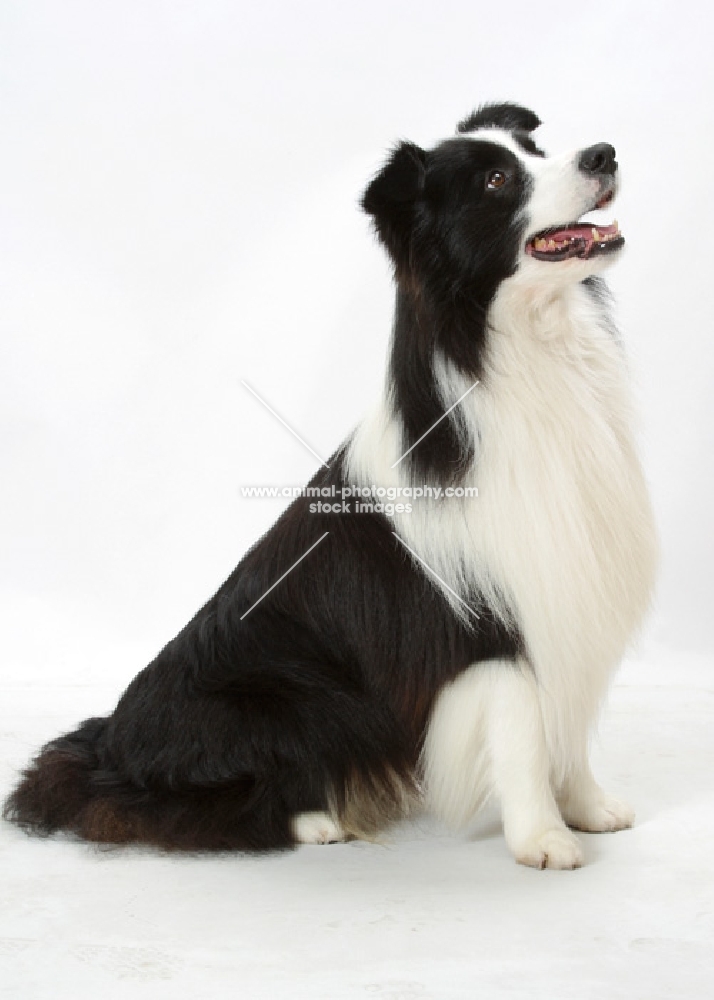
x,y
56,788
72,786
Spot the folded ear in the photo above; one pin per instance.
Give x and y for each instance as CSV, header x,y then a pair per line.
x,y
391,196
512,117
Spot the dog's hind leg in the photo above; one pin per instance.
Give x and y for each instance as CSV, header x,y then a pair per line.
x,y
316,828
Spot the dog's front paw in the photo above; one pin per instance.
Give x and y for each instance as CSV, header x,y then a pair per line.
x,y
603,814
554,848
316,828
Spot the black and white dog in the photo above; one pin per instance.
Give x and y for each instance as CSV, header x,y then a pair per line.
x,y
438,654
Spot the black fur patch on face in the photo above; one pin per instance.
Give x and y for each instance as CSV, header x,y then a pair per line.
x,y
452,221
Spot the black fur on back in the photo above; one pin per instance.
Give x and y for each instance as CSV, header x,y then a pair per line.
x,y
324,687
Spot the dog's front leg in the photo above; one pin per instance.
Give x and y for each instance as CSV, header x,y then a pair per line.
x,y
585,806
532,823
486,735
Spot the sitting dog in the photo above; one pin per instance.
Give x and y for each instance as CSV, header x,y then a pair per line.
x,y
454,647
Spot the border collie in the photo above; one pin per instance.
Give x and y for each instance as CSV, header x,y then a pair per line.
x,y
452,648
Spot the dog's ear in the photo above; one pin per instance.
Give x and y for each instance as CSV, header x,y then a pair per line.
x,y
512,117
391,196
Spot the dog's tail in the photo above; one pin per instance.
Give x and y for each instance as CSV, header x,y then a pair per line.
x,y
71,785
57,788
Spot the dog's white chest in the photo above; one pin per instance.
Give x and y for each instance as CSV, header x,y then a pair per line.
x,y
562,524
561,492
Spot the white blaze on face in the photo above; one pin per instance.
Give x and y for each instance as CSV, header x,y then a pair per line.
x,y
561,192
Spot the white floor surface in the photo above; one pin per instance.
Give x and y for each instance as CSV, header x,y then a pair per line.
x,y
427,916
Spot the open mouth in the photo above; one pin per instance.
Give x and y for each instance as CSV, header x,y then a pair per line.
x,y
581,239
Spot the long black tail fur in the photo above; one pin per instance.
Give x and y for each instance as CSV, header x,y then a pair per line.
x,y
68,786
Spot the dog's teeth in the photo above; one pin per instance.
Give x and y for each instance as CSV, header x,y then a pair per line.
x,y
596,234
551,244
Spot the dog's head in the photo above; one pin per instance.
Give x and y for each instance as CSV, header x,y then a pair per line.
x,y
488,204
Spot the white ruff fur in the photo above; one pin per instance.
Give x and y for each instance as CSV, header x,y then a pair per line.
x,y
561,532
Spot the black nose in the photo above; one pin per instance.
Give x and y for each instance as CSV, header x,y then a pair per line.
x,y
598,159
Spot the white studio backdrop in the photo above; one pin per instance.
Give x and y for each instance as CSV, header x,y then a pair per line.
x,y
178,212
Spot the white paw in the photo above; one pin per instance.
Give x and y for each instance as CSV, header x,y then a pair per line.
x,y
603,814
555,848
316,828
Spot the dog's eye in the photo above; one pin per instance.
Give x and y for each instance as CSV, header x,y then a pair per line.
x,y
495,179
